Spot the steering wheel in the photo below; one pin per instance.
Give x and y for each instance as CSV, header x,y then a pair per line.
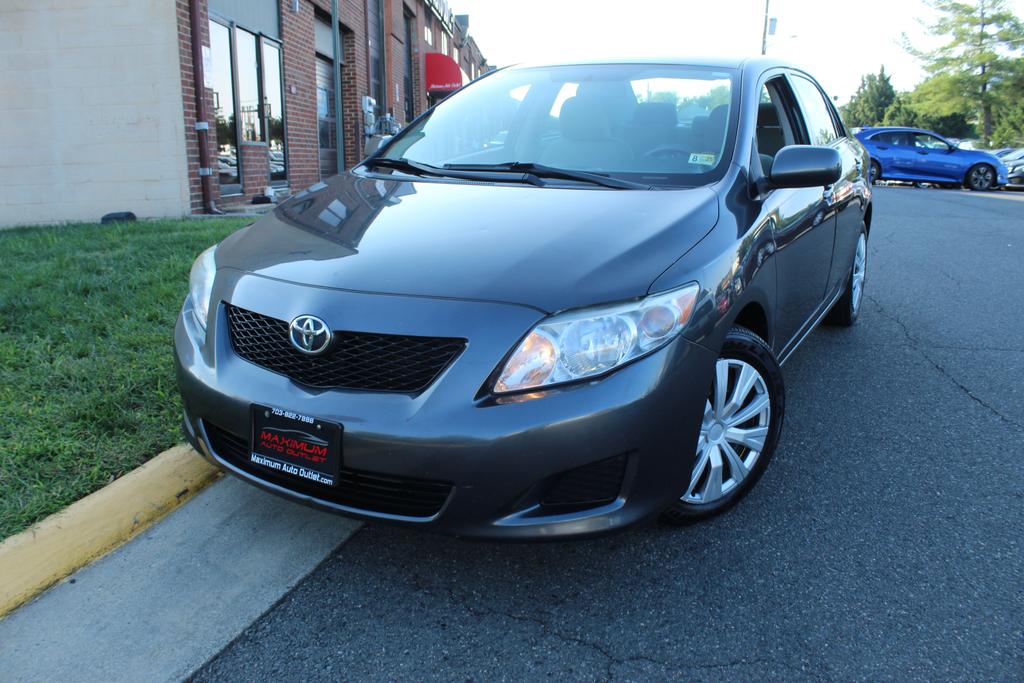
x,y
667,152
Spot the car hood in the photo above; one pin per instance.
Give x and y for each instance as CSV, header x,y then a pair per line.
x,y
550,248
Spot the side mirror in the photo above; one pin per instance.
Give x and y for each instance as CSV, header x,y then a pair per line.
x,y
805,166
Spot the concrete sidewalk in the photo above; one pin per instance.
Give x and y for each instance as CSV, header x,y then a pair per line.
x,y
160,606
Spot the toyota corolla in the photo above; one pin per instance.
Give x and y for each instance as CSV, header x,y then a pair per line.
x,y
555,305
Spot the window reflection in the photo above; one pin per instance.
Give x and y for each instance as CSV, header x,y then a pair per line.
x,y
224,108
273,106
248,88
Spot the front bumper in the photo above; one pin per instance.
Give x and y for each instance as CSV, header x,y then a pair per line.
x,y
500,456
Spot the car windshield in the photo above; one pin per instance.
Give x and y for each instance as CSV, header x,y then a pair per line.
x,y
651,124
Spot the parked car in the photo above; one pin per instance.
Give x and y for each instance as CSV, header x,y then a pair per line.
x,y
1014,169
918,155
1015,154
555,305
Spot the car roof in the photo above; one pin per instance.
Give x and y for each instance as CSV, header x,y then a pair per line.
x,y
869,130
727,62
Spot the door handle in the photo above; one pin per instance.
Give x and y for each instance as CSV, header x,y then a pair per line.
x,y
922,152
883,147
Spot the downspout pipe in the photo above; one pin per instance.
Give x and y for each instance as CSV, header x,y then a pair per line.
x,y
202,115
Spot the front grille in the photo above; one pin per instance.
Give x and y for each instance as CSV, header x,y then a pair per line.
x,y
357,489
588,486
356,360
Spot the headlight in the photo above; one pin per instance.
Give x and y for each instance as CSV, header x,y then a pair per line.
x,y
586,343
200,285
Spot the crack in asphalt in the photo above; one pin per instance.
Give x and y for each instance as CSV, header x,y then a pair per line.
x,y
614,660
917,346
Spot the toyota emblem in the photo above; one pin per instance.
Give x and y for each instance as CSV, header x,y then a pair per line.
x,y
309,334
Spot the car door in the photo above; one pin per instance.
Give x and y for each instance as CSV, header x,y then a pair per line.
x,y
904,156
804,229
881,147
935,158
847,194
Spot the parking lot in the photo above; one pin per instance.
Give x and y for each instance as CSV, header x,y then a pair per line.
x,y
884,542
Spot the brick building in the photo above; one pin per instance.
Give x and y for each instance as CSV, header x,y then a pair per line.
x,y
99,105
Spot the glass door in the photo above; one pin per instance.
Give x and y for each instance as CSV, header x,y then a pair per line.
x,y
273,111
327,129
221,79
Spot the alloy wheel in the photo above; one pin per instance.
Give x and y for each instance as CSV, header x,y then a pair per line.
x,y
737,417
860,259
981,178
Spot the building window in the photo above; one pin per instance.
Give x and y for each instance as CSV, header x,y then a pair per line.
x,y
456,54
248,101
428,35
273,110
248,87
221,83
444,41
410,31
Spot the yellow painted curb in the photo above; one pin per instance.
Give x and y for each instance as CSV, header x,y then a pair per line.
x,y
37,558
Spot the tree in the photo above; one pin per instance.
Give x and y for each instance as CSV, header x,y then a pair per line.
x,y
868,105
983,36
924,107
900,113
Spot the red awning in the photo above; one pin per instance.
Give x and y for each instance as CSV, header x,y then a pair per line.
x,y
443,74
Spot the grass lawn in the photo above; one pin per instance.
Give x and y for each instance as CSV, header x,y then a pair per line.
x,y
87,388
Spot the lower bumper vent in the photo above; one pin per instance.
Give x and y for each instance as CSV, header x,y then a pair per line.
x,y
369,491
589,486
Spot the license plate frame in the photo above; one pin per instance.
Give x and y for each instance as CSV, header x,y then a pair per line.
x,y
296,445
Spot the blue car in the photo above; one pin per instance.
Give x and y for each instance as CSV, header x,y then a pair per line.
x,y
923,156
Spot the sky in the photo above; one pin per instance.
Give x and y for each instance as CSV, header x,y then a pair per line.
x,y
836,42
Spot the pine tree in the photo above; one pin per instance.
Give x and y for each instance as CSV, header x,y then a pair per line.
x,y
868,105
984,43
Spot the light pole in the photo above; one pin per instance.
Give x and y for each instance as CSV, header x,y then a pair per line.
x,y
764,33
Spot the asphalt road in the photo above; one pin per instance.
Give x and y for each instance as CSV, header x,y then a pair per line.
x,y
883,543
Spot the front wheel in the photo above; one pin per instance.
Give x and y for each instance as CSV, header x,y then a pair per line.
x,y
981,177
742,420
874,172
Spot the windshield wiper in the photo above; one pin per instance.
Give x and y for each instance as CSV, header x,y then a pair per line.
x,y
496,174
404,165
542,171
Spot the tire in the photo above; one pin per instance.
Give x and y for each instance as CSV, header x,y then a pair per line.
x,y
763,404
874,172
847,308
980,177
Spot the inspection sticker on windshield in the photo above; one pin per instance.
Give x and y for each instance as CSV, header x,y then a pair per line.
x,y
702,159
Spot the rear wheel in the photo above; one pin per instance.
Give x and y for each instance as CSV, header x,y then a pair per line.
x,y
845,311
874,172
981,177
742,420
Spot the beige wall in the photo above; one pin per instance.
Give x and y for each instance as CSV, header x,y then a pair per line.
x,y
90,110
